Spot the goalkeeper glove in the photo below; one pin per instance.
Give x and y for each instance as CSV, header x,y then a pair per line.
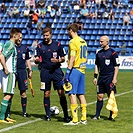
x,y
66,77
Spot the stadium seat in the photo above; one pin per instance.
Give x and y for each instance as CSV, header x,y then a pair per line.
x,y
93,37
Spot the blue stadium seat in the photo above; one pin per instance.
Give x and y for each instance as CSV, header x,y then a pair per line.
x,y
24,31
11,25
95,32
100,32
106,32
89,31
97,26
111,32
93,37
24,42
87,37
54,37
115,37
117,32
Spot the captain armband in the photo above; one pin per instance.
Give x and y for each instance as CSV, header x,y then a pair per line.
x,y
95,75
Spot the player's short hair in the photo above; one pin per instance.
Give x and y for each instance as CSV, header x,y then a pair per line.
x,y
73,27
14,31
47,29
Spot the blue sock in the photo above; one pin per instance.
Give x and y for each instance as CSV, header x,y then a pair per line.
x,y
47,106
99,107
23,103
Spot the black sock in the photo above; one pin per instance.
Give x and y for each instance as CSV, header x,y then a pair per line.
x,y
63,103
23,103
47,106
110,116
99,107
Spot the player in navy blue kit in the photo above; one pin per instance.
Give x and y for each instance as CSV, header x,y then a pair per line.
x,y
23,56
52,55
107,66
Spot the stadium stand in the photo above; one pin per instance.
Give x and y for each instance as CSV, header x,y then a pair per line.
x,y
93,28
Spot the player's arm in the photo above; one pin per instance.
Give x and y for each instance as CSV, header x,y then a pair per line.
x,y
71,62
37,55
96,71
116,63
3,63
29,69
69,68
116,69
95,75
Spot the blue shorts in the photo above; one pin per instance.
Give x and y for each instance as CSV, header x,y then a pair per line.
x,y
77,80
49,76
103,85
21,78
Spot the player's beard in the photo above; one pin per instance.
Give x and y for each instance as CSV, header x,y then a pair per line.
x,y
70,36
47,40
18,43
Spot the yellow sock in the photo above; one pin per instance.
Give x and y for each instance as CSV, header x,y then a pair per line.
x,y
83,111
74,110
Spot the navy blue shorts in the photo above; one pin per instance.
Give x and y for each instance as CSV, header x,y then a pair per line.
x,y
49,76
103,85
21,78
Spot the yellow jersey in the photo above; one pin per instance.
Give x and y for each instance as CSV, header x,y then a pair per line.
x,y
78,48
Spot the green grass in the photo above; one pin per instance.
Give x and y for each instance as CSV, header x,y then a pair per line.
x,y
123,123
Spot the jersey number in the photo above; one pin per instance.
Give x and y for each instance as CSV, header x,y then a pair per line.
x,y
83,51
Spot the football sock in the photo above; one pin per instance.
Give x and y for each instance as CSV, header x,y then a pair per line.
x,y
110,114
4,104
74,110
99,107
63,103
83,111
47,106
8,108
23,103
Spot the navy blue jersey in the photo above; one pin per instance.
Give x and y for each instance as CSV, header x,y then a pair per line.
x,y
48,51
106,60
23,54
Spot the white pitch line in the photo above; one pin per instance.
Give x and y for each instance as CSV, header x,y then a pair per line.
x,y
39,119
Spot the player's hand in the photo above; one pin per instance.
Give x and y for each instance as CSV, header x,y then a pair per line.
x,y
30,74
114,81
95,81
36,60
66,77
54,60
6,71
112,86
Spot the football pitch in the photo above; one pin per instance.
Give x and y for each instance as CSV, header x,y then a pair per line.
x,y
123,122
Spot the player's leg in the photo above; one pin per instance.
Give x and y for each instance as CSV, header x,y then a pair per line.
x,y
100,96
8,85
23,86
99,106
46,87
108,90
57,77
72,95
63,103
46,103
82,99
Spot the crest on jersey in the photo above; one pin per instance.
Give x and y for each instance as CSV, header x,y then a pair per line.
x,y
107,62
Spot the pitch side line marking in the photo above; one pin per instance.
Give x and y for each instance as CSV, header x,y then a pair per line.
x,y
39,119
